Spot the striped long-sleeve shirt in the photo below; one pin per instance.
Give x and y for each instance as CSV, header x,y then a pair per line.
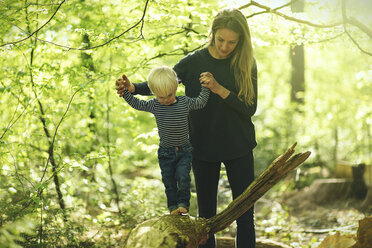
x,y
172,120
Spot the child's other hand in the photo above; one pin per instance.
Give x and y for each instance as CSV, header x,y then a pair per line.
x,y
208,81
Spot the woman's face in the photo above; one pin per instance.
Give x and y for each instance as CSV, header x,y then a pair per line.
x,y
225,41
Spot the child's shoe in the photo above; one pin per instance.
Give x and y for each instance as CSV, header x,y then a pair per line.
x,y
175,212
182,210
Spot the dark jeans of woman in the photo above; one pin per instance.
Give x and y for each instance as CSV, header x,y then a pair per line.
x,y
240,173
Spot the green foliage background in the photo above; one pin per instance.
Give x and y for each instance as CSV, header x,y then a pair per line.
x,y
68,69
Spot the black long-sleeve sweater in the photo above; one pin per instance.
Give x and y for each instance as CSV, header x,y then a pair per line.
x,y
223,130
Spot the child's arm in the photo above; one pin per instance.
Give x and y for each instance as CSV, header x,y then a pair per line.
x,y
122,84
200,101
138,104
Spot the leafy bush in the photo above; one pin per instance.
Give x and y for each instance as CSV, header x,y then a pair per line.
x,y
13,234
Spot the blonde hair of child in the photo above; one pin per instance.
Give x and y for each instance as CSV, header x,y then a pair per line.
x,y
162,81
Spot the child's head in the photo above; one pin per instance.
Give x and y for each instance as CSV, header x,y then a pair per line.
x,y
163,83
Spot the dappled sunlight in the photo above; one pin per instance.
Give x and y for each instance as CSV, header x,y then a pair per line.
x,y
79,168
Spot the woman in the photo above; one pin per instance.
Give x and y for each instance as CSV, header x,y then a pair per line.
x,y
223,131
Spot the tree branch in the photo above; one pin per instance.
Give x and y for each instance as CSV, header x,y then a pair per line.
x,y
357,44
361,26
140,37
37,30
171,231
274,11
347,21
11,122
141,21
14,119
278,169
56,130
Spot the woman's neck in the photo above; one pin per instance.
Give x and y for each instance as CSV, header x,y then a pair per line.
x,y
214,53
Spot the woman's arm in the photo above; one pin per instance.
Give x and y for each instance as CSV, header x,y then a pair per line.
x,y
141,89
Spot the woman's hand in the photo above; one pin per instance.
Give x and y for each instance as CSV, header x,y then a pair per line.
x,y
208,81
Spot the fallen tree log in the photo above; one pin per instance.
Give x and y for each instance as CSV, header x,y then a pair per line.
x,y
175,231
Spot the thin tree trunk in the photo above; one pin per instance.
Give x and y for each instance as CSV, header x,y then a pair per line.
x,y
335,147
51,147
115,188
297,55
45,128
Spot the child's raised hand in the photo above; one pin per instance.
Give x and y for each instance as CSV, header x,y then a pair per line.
x,y
128,84
120,87
122,84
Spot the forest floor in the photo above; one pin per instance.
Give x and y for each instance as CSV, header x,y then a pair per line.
x,y
284,215
278,219
295,220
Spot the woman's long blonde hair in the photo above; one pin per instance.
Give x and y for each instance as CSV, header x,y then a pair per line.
x,y
242,56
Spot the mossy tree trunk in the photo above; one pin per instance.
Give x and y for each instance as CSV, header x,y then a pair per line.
x,y
173,231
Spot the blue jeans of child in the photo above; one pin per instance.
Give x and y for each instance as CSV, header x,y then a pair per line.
x,y
175,166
